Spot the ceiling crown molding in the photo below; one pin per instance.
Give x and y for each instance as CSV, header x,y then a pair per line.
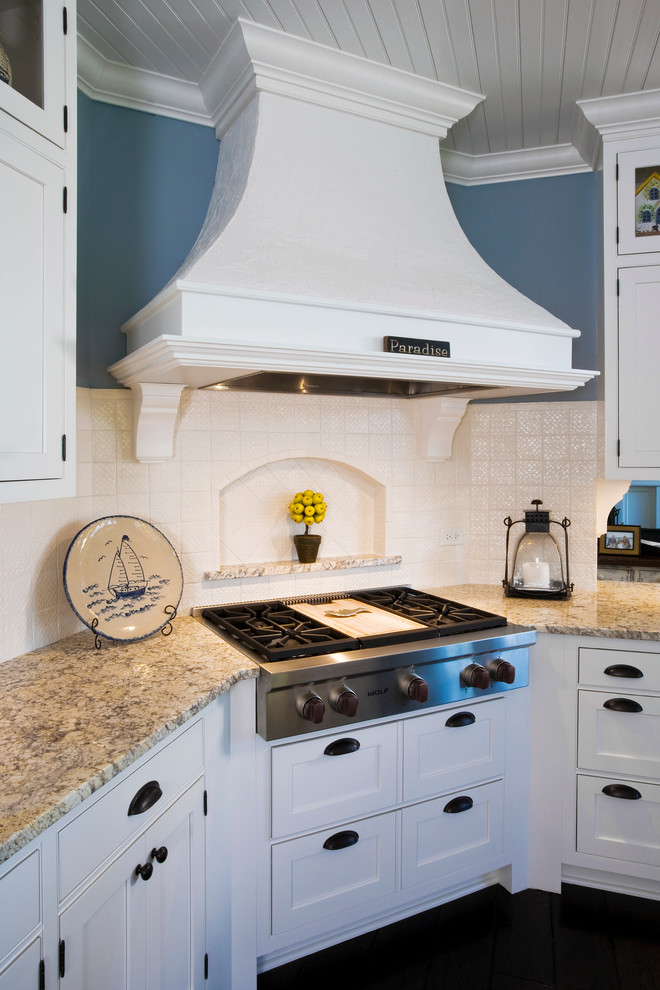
x,y
511,166
138,89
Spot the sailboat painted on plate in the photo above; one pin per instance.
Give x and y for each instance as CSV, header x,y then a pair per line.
x,y
127,578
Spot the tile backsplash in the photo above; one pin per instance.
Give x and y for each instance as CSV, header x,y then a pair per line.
x,y
239,457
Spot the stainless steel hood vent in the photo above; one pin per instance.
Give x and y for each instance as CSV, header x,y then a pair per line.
x,y
329,230
352,385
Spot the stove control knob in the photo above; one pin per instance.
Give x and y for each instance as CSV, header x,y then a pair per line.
x,y
502,671
311,708
415,688
476,676
344,701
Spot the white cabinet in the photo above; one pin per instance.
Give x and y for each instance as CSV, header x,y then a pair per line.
x,y
630,130
75,908
37,251
21,931
140,923
596,764
367,825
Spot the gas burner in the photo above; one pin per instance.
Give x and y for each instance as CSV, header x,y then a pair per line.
x,y
275,632
441,614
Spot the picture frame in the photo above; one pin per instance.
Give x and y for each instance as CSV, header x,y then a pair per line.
x,y
638,201
620,540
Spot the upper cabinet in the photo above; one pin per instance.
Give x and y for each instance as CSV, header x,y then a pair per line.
x,y
630,129
37,249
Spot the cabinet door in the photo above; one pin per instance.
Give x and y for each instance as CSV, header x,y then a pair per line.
x,y
453,748
619,733
639,359
33,35
33,335
23,972
128,933
174,939
102,933
464,830
328,873
618,819
326,778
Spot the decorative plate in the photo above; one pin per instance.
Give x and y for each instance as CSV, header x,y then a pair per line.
x,y
122,578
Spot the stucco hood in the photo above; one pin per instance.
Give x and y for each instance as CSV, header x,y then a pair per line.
x,y
329,230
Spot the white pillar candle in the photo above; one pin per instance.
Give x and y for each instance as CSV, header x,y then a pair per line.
x,y
536,574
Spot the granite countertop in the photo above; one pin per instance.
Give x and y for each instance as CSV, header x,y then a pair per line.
x,y
616,610
74,716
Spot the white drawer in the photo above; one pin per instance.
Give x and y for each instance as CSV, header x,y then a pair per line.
x,y
616,740
20,902
328,778
453,748
618,827
455,832
90,838
624,666
312,882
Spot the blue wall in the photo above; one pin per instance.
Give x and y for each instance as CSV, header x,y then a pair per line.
x,y
541,235
144,183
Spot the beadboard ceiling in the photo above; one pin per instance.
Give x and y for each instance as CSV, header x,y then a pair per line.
x,y
532,59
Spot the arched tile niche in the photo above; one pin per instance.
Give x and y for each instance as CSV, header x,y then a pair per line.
x,y
253,520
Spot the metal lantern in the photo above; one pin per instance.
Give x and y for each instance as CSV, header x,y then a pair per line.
x,y
539,568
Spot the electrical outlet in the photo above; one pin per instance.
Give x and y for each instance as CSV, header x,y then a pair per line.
x,y
452,537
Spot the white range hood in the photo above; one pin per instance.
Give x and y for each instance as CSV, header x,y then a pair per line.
x,y
330,230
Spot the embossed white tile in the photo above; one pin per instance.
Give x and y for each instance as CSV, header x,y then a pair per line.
x,y
556,447
195,445
133,504
103,409
104,446
132,477
104,478
195,476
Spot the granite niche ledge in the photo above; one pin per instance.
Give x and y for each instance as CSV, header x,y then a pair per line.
x,y
231,572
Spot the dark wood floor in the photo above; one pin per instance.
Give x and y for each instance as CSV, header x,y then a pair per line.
x,y
582,940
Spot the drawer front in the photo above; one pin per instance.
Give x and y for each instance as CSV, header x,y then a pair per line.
x,y
20,902
93,836
455,832
625,668
312,882
452,749
619,741
616,827
326,779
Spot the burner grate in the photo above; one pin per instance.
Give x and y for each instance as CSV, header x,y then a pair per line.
x,y
273,631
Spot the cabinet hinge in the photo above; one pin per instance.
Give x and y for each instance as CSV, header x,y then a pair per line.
x,y
62,958
65,197
65,118
206,966
42,975
617,235
64,446
618,287
616,170
618,448
206,803
65,21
